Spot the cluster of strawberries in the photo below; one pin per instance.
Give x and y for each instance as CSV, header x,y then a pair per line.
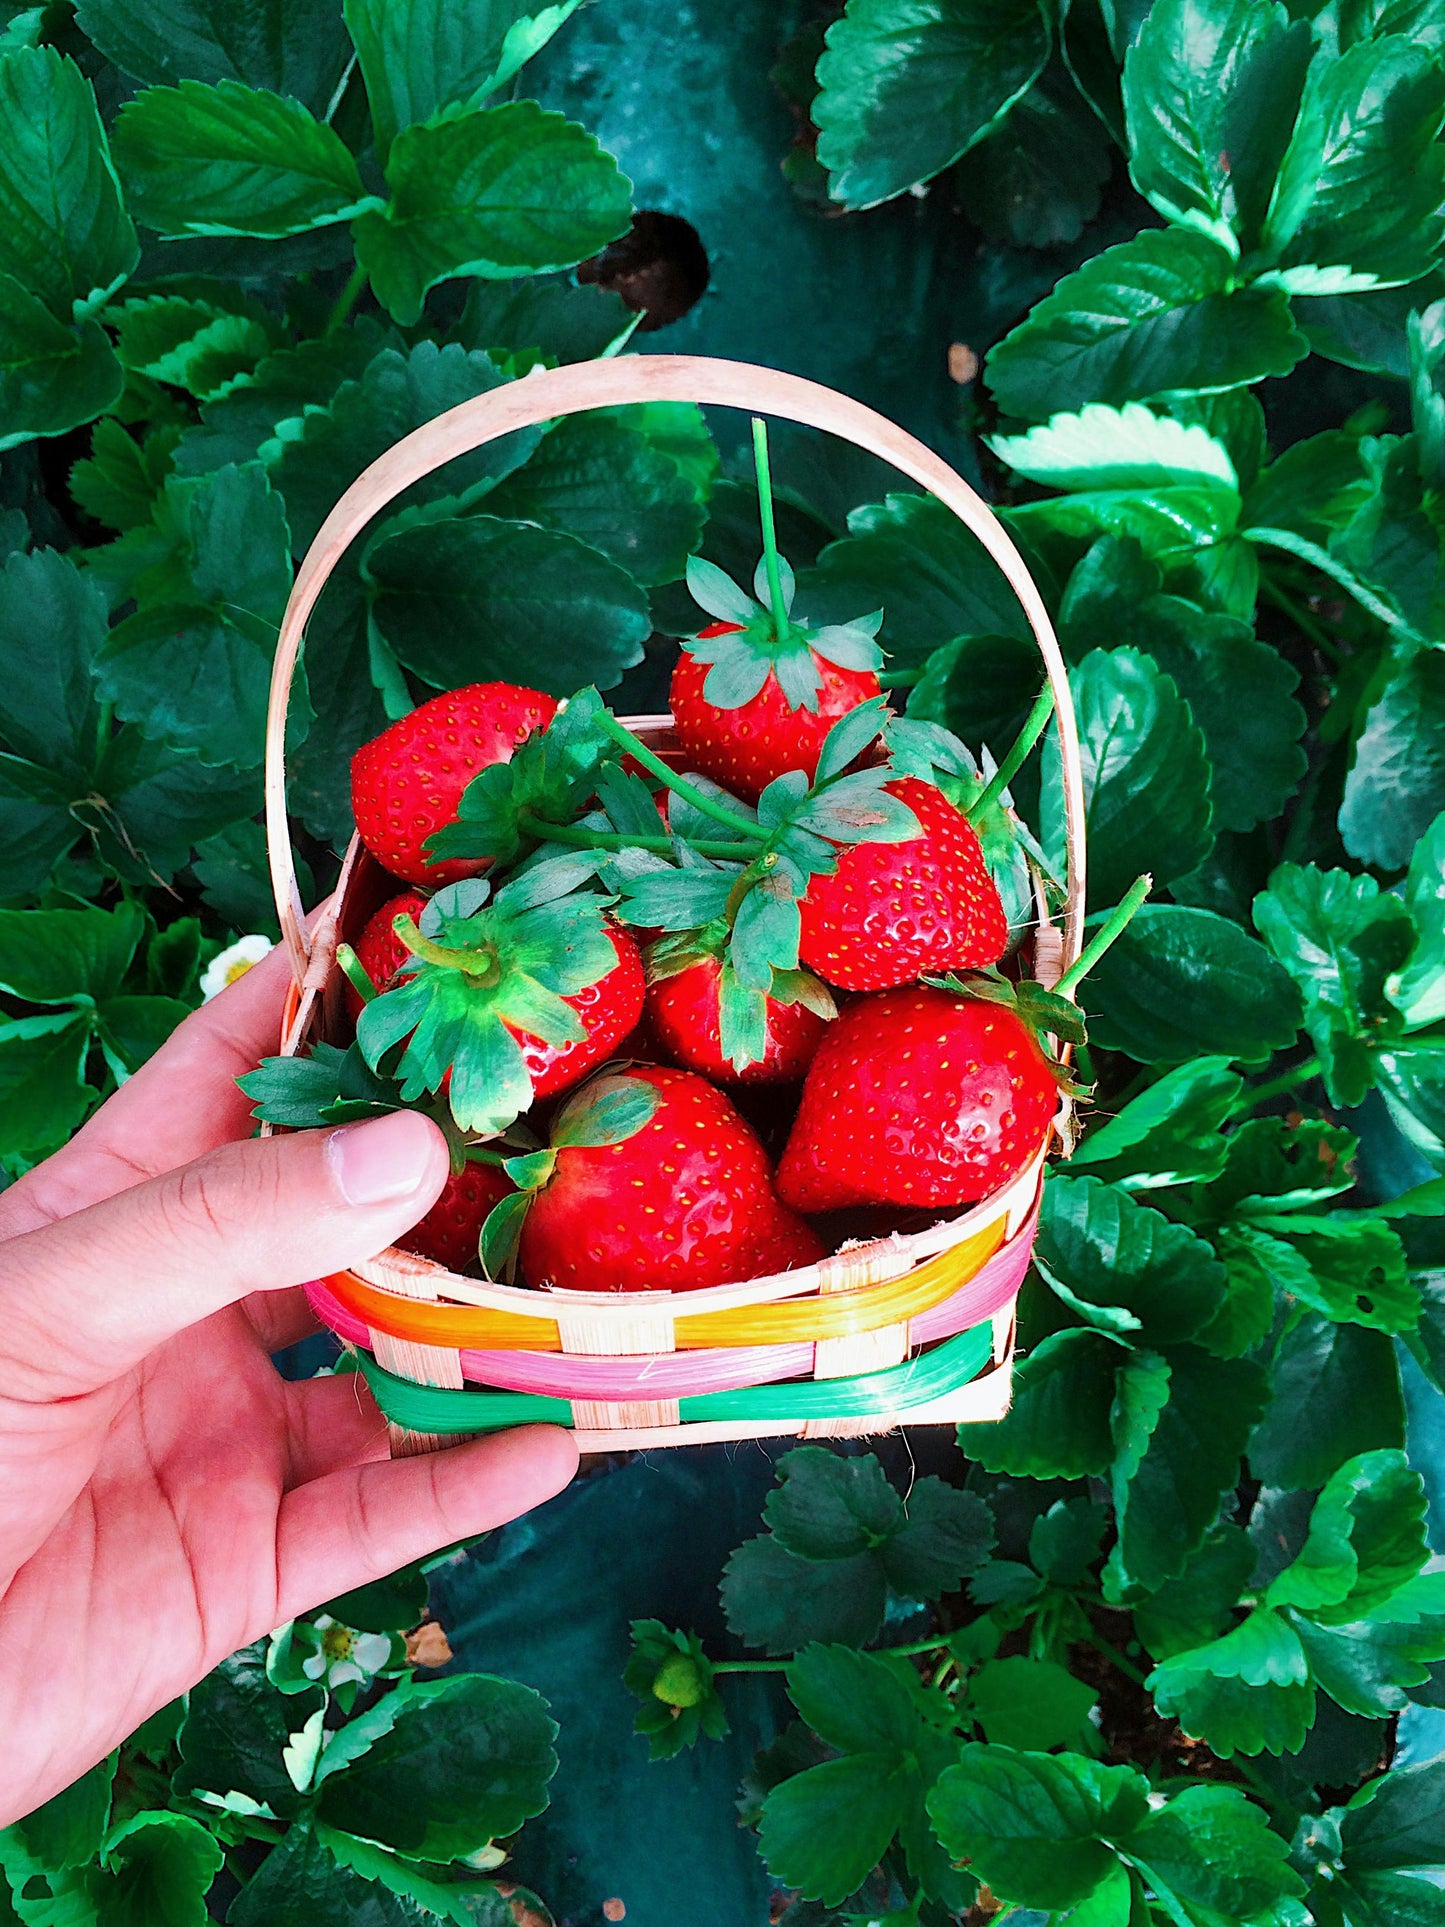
x,y
783,898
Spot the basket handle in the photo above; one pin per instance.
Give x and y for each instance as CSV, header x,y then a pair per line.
x,y
547,393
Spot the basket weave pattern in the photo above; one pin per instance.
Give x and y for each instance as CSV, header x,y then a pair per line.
x,y
916,1327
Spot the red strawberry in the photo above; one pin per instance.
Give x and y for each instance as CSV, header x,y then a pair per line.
x,y
744,748
891,912
918,1097
449,1231
684,1013
685,1200
610,1008
407,782
786,1245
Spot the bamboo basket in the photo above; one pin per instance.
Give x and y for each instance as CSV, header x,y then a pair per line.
x,y
914,1328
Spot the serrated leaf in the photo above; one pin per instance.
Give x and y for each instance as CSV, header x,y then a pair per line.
x,y
1420,995
1038,175
1058,1424
470,596
296,47
947,1535
1248,1692
189,343
1197,1606
1352,1270
1366,1540
826,1507
496,192
1395,1821
52,377
824,1830
1396,781
1111,1250
1107,448
230,159
774,1600
1146,776
1032,1704
1347,1379
1169,1134
1147,318
934,76
1213,1847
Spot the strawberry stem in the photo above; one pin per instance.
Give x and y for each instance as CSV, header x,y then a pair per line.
x,y
481,965
1113,927
578,838
355,972
781,624
700,800
1034,726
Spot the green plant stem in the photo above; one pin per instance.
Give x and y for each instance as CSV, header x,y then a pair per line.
x,y
1113,928
347,299
355,972
899,678
104,722
1300,617
679,785
1115,1657
781,1665
1286,1081
1034,726
770,535
578,838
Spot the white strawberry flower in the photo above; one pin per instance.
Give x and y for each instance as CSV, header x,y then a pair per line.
x,y
232,962
345,1655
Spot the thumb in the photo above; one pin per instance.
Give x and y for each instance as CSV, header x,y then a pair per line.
x,y
87,1297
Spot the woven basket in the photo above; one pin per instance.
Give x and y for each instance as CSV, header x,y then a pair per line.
x,y
915,1328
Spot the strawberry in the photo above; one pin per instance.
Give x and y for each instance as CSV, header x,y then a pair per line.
x,y
449,1231
685,1010
503,1001
653,1183
786,1244
379,950
407,782
890,912
745,744
918,1097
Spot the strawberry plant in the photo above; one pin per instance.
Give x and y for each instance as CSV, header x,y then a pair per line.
x,y
1164,1645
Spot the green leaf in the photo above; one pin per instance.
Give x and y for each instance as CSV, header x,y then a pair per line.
x,y
556,318
1352,1270
197,673
1388,557
1412,1081
1356,204
1145,773
234,425
903,92
331,1879
1109,1251
53,377
1367,1666
826,1507
775,1600
1064,1541
1211,88
498,192
1313,488
463,1760
1035,1826
1116,448
1396,781
1196,1607
296,47
1240,691
230,159
1029,1703
1212,1847
1038,175
1420,995
1366,1540
1151,317
43,1094
946,1536
65,1831
119,480
914,558
1395,1821
190,343
419,58
1169,1134
603,481
824,1830
65,235
316,455
52,622
52,956
156,1872
466,599
1347,1379
857,1702
1169,1499
1341,940
235,1728
1058,1424
1249,1692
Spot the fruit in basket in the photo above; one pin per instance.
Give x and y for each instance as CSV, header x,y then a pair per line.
x,y
891,912
407,782
918,1097
506,998
450,1230
705,1019
652,1183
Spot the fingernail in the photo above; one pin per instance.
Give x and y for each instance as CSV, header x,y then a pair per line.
x,y
385,1159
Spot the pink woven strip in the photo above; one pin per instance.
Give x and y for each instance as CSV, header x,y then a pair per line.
x,y
685,1374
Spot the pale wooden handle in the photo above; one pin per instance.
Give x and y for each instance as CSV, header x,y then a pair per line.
x,y
547,393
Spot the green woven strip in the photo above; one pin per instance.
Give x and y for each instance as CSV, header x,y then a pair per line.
x,y
430,1408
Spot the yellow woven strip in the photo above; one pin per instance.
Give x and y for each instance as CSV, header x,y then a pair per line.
x,y
840,1314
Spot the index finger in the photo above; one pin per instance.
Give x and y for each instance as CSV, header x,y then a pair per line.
x,y
182,1102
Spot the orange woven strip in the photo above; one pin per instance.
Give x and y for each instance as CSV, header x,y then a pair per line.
x,y
840,1314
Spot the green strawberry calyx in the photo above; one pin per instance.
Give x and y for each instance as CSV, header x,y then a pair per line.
x,y
608,1109
481,971
743,1009
761,641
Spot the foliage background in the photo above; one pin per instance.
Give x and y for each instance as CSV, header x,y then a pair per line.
x,y
239,380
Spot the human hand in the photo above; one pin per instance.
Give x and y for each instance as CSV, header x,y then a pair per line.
x,y
165,1496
